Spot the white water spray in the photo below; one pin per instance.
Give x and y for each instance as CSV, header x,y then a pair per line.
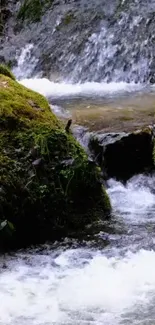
x,y
84,286
26,62
135,200
88,89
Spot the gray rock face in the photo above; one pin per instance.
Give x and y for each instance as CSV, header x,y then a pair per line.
x,y
123,155
86,40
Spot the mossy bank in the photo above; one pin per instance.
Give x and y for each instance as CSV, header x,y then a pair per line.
x,y
48,187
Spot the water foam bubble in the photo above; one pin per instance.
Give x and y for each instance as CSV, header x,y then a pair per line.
x,y
52,89
78,287
136,200
26,62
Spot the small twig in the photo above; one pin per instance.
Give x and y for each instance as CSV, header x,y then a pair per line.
x,y
68,125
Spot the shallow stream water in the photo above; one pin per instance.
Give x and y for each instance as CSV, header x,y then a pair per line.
x,y
89,282
108,279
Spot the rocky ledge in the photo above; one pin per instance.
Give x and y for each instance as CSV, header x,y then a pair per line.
x,y
122,155
48,186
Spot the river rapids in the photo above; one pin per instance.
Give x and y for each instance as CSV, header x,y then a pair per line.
x,y
109,277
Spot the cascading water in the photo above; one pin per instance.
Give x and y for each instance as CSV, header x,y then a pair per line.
x,y
89,283
26,62
89,41
104,54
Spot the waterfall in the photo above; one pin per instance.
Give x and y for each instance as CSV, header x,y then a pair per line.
x,y
92,42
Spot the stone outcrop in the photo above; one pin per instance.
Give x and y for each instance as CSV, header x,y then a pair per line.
x,y
123,155
48,187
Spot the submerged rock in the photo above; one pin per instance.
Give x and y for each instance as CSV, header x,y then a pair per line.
x,y
42,196
123,155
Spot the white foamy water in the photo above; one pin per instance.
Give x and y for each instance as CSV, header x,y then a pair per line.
x,y
84,286
60,111
52,89
136,199
26,61
73,289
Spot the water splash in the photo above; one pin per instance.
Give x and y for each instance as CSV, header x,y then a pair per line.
x,y
78,287
55,90
135,200
60,111
26,62
83,286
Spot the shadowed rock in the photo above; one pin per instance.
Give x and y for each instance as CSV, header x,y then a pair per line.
x,y
123,155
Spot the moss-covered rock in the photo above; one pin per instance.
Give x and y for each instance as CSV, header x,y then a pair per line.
x,y
4,70
48,187
123,155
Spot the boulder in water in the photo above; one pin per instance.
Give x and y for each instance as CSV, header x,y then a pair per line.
x,y
123,155
43,197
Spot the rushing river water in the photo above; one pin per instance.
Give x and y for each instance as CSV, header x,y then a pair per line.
x,y
83,283
110,278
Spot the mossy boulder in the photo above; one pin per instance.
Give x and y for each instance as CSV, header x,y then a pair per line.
x,y
4,70
122,155
48,187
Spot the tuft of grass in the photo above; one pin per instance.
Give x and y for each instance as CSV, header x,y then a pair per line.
x,y
68,18
4,70
32,10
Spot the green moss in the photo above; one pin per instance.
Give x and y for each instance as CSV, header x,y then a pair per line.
x,y
47,184
32,10
22,107
68,18
126,118
4,70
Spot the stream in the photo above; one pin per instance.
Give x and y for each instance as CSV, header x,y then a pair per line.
x,y
89,282
101,70
107,278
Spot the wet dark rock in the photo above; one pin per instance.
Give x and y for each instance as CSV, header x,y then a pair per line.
x,y
2,192
33,152
68,125
4,266
2,59
152,80
38,162
5,13
68,162
123,155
